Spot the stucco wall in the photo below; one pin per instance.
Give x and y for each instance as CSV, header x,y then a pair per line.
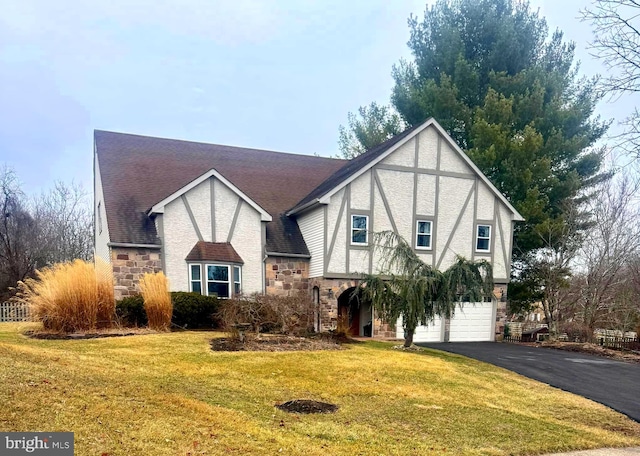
x,y
447,192
101,237
180,234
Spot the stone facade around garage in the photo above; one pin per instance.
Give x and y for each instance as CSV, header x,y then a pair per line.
x,y
331,289
129,264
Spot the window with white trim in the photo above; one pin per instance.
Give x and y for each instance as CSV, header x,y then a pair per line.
x,y
483,238
423,234
218,280
195,278
215,279
359,229
237,280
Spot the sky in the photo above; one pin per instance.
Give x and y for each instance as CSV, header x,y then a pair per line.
x,y
277,75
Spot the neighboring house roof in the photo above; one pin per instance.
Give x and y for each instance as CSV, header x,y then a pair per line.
x,y
362,163
139,172
214,251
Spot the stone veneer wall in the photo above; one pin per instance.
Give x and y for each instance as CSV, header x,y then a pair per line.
x,y
129,264
286,276
500,293
330,291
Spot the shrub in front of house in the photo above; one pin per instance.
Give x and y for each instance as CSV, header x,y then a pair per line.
x,y
70,297
269,313
190,310
193,310
130,311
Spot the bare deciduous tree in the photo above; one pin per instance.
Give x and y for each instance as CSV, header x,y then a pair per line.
x,y
602,292
55,227
616,27
66,218
19,255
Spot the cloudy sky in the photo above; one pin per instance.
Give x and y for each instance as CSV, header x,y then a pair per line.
x,y
277,75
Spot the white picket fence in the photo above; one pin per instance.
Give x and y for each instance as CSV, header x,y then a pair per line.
x,y
11,311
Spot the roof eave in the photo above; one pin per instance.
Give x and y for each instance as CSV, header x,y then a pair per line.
x,y
304,207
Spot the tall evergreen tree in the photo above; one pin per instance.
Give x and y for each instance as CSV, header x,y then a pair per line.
x,y
511,96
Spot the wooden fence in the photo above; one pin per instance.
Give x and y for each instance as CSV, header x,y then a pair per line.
x,y
620,343
11,311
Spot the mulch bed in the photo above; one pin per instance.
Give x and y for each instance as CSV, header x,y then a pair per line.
x,y
592,349
278,343
33,334
307,406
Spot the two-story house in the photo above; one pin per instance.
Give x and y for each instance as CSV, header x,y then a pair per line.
x,y
226,220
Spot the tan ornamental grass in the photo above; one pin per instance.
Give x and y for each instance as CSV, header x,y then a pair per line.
x,y
157,300
71,297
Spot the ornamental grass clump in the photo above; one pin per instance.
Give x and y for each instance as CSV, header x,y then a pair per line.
x,y
157,300
70,297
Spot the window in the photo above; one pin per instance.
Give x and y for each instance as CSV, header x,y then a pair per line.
x,y
218,280
195,278
215,279
359,234
423,235
237,280
483,238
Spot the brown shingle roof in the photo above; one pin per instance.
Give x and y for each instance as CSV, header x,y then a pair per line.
x,y
139,171
214,251
351,167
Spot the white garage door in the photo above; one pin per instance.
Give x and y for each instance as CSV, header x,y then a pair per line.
x,y
430,333
472,323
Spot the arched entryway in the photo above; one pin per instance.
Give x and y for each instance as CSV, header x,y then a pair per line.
x,y
356,313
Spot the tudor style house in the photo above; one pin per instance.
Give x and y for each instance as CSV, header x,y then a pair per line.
x,y
227,220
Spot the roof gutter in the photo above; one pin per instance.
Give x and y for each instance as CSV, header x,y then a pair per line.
x,y
296,210
133,246
290,255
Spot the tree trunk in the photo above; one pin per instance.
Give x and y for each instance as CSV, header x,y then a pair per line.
x,y
408,336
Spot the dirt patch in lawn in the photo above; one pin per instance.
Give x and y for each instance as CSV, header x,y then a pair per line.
x,y
593,349
98,334
307,406
276,343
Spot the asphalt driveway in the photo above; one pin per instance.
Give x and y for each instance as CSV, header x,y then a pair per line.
x,y
615,384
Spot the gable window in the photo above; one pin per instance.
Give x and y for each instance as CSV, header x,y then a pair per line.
x,y
423,235
483,238
215,279
359,233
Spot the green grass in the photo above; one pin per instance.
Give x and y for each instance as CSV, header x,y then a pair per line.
x,y
169,394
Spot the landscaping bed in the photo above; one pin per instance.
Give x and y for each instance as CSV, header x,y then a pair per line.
x,y
276,343
97,334
592,349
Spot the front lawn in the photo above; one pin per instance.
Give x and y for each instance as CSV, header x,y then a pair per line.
x,y
170,394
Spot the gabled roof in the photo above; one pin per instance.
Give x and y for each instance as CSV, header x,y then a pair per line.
x,y
139,172
214,251
158,208
364,162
